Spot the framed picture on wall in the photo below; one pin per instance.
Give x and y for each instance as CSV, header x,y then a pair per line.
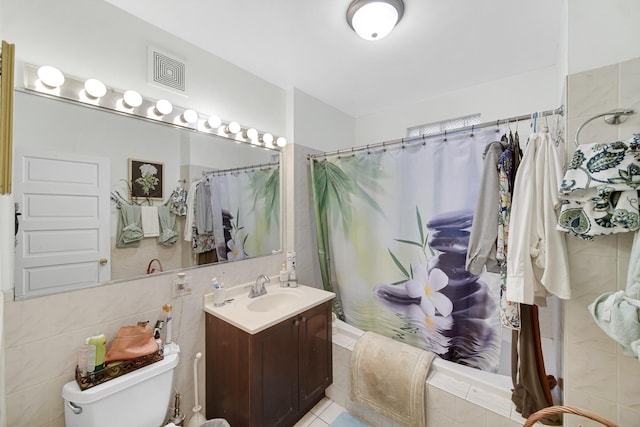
x,y
146,178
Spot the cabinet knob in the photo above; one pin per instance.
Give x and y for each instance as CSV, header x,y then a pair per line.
x,y
296,322
103,261
304,318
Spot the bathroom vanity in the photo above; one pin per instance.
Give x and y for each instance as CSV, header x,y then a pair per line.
x,y
269,360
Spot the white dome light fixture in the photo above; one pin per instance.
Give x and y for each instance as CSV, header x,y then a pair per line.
x,y
281,141
132,99
189,116
374,19
213,122
95,88
50,76
163,107
251,134
233,128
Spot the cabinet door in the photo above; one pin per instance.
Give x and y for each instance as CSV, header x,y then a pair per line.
x,y
315,355
274,375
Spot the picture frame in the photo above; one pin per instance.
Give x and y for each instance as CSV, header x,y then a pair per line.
x,y
146,179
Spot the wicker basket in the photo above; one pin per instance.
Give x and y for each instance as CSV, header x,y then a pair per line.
x,y
553,410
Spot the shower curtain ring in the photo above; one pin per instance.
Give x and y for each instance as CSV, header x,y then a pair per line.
x,y
472,126
445,135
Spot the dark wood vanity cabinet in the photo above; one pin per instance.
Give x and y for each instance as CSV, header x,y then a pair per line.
x,y
271,378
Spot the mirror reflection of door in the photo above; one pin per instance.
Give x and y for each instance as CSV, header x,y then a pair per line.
x,y
63,241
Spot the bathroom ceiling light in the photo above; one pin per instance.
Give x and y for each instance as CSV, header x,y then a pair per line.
x,y
374,19
213,122
95,88
189,116
251,134
50,76
281,141
132,99
163,107
233,127
267,138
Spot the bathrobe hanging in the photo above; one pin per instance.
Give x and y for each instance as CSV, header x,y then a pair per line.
x,y
537,263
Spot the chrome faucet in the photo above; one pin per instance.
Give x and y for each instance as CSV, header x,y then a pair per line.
x,y
258,288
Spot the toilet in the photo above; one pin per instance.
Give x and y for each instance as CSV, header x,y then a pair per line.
x,y
137,399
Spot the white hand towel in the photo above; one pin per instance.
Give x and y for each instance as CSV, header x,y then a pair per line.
x,y
150,222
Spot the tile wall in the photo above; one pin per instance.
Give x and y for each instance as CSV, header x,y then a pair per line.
x,y
42,335
598,377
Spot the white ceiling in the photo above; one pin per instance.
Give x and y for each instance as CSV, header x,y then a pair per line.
x,y
439,46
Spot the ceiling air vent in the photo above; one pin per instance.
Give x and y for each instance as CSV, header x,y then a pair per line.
x,y
167,71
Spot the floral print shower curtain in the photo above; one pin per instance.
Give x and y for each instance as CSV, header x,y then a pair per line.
x,y
393,229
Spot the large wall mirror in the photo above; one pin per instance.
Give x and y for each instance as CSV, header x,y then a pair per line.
x,y
63,150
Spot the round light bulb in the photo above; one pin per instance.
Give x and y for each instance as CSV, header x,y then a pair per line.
x,y
95,88
251,134
163,107
281,141
213,122
374,20
132,99
50,76
234,127
267,138
190,116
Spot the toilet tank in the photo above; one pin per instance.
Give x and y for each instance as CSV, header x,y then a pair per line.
x,y
137,399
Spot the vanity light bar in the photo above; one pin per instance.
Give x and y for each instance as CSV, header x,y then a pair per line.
x,y
49,81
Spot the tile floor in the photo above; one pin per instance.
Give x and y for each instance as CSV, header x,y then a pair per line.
x,y
321,415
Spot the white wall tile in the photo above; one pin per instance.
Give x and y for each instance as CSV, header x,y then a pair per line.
x,y
593,92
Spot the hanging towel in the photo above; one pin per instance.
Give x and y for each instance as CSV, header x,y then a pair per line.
x,y
168,234
600,190
618,313
390,377
129,232
150,222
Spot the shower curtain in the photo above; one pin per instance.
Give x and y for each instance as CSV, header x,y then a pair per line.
x,y
393,229
246,211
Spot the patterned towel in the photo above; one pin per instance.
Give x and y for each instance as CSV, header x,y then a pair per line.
x,y
600,190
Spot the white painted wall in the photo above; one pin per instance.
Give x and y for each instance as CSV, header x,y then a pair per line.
x,y
91,38
319,125
513,96
602,33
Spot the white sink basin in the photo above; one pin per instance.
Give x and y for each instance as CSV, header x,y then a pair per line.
x,y
256,314
272,302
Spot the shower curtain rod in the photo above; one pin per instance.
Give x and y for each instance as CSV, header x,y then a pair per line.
x,y
241,168
424,137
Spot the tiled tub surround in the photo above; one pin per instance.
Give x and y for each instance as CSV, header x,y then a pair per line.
x,y
457,396
598,376
42,335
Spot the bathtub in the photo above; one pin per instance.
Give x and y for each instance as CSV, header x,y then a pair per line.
x,y
491,392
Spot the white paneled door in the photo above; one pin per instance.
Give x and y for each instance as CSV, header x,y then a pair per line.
x,y
63,239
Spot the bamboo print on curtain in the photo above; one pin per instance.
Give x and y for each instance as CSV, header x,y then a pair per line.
x,y
393,229
246,211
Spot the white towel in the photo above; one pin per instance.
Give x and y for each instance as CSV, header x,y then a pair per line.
x,y
389,377
150,222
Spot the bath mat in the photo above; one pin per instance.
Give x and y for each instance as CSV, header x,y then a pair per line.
x,y
389,377
345,419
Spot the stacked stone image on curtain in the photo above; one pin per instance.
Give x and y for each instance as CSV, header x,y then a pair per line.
x,y
457,309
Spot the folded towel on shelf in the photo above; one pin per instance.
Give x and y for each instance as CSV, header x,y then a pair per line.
x,y
389,377
150,222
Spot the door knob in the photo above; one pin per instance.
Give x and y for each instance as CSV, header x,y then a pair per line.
x,y
103,261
